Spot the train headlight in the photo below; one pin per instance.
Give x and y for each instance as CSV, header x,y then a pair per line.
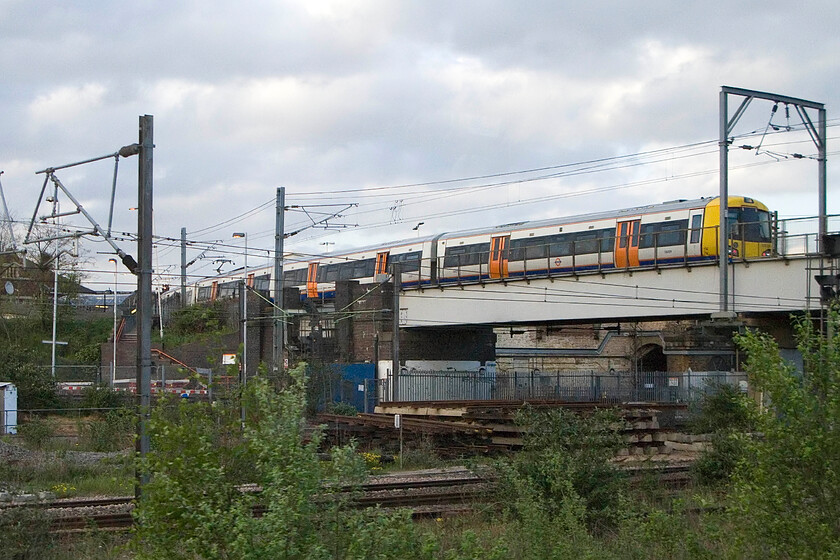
x,y
767,253
733,251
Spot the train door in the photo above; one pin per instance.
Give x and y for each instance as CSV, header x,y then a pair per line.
x,y
382,263
499,256
214,291
627,243
312,281
250,281
695,233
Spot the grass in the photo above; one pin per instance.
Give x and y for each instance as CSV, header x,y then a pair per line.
x,y
51,466
54,472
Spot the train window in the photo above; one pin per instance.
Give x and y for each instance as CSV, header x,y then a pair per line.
x,y
262,283
465,255
663,234
204,293
228,289
622,243
328,273
536,250
294,277
672,233
696,222
364,268
607,240
560,245
585,243
345,271
517,248
409,262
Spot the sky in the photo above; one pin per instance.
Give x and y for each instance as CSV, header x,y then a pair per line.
x,y
455,114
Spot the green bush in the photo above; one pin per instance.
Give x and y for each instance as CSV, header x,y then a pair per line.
x,y
564,468
35,385
36,432
102,396
24,533
112,433
342,408
724,407
717,463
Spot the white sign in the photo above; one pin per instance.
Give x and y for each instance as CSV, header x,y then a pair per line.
x,y
228,359
396,420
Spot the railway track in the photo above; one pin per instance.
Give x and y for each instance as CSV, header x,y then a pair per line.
x,y
428,494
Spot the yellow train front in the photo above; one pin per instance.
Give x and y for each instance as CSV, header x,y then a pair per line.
x,y
750,228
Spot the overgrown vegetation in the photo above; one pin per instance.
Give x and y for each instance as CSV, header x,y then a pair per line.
x,y
564,469
196,323
193,508
35,385
787,488
730,416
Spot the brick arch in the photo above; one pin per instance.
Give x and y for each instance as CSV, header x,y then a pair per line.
x,y
651,357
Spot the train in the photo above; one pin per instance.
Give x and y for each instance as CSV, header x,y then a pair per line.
x,y
678,232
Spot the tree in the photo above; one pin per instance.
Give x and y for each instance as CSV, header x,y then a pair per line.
x,y
35,385
787,488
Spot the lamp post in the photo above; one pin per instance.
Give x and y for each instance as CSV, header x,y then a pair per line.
x,y
114,358
244,236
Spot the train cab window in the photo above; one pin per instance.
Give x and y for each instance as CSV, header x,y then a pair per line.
x,y
696,222
749,224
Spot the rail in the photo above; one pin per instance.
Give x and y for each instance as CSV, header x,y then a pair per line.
x,y
165,356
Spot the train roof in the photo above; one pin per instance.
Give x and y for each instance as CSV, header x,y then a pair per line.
x,y
681,204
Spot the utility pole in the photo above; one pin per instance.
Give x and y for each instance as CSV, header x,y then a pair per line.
x,y
395,331
279,321
183,267
144,292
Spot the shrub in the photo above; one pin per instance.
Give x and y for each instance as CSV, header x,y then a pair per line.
x,y
35,385
36,432
724,407
24,533
342,408
102,396
112,433
564,468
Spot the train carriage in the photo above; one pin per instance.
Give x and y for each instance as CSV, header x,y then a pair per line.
x,y
672,233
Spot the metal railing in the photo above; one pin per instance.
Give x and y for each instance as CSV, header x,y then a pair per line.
x,y
612,387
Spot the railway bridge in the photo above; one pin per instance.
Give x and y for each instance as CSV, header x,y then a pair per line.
x,y
780,284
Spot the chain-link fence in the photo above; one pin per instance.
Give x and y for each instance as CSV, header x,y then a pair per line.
x,y
612,387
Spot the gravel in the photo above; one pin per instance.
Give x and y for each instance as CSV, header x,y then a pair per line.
x,y
15,454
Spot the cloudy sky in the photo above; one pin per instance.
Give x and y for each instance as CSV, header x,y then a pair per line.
x,y
455,114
